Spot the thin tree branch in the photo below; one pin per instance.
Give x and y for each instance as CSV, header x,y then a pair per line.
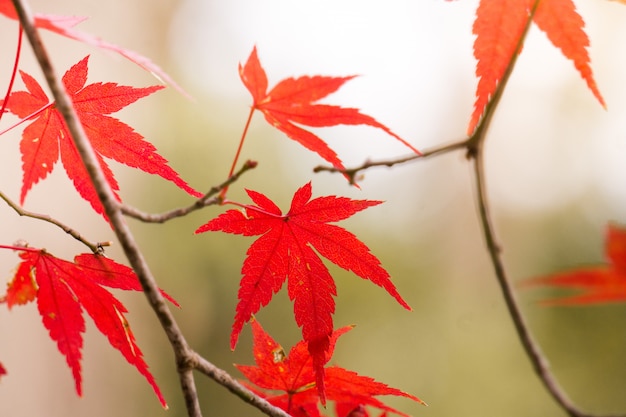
x,y
186,358
208,199
531,347
188,384
352,172
95,247
106,196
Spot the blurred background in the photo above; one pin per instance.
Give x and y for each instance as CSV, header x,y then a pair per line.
x,y
556,175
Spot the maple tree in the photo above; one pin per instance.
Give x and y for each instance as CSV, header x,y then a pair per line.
x,y
74,125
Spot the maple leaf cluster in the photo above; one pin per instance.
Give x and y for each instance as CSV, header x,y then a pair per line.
x,y
294,376
63,289
285,252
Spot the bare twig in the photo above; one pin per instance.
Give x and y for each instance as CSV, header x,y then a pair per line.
x,y
208,199
186,358
531,347
352,172
533,351
95,247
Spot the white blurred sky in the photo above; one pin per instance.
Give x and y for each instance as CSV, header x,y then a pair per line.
x,y
550,142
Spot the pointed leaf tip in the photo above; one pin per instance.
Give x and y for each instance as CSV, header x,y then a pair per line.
x,y
565,28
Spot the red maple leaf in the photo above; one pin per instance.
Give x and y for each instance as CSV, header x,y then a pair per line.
x,y
595,284
64,26
292,102
63,289
285,251
294,376
47,137
499,27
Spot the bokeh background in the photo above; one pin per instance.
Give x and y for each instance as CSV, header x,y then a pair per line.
x,y
556,175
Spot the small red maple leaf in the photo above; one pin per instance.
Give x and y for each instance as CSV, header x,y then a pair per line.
x,y
47,137
499,27
292,102
596,284
64,26
63,289
294,376
285,252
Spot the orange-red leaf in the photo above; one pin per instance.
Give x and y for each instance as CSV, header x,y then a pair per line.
x,y
64,26
499,27
596,284
292,102
47,138
293,376
285,252
64,289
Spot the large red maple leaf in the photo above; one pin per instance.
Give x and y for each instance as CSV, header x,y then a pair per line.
x,y
64,26
293,101
47,137
499,27
63,289
596,284
285,252
293,375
